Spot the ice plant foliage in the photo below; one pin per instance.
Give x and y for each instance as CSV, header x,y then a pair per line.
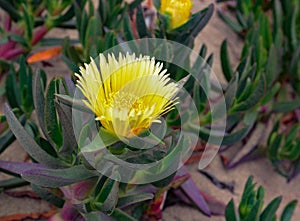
x,y
178,10
127,94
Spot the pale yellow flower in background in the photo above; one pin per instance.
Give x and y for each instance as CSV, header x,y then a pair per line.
x,y
127,94
178,10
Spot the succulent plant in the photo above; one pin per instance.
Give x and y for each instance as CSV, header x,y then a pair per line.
x,y
79,172
246,14
264,85
283,150
18,90
26,23
251,206
131,24
84,133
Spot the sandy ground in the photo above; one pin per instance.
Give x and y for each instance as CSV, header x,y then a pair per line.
x,y
212,36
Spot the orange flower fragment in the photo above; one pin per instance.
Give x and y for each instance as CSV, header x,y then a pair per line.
x,y
44,55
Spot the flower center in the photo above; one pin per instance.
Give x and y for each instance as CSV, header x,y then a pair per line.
x,y
125,101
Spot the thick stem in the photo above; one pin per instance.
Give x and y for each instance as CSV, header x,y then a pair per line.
x,y
10,45
39,34
13,52
5,48
297,112
7,22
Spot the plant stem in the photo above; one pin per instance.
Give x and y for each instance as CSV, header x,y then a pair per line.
x,y
5,48
7,22
39,34
13,52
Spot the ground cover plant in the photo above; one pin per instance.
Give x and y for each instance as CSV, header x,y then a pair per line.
x,y
110,141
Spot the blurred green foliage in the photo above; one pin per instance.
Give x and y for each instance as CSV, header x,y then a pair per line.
x,y
252,203
265,85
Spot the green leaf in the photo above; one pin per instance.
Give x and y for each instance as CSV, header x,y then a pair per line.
x,y
233,137
48,195
288,211
186,33
265,31
225,62
254,212
25,80
295,65
96,216
93,29
171,158
292,34
202,52
248,191
107,199
83,27
272,68
91,8
274,147
247,89
235,26
230,212
29,23
227,139
290,151
277,17
18,39
110,40
199,97
12,183
133,199
270,211
250,117
117,12
134,4
10,9
69,144
22,74
39,102
292,135
6,139
202,21
45,145
102,140
256,95
244,67
260,193
58,177
285,106
12,89
72,102
121,215
104,10
128,33
242,20
270,94
28,142
68,15
50,116
71,64
141,24
230,94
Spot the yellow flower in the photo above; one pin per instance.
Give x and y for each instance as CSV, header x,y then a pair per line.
x,y
127,94
179,11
